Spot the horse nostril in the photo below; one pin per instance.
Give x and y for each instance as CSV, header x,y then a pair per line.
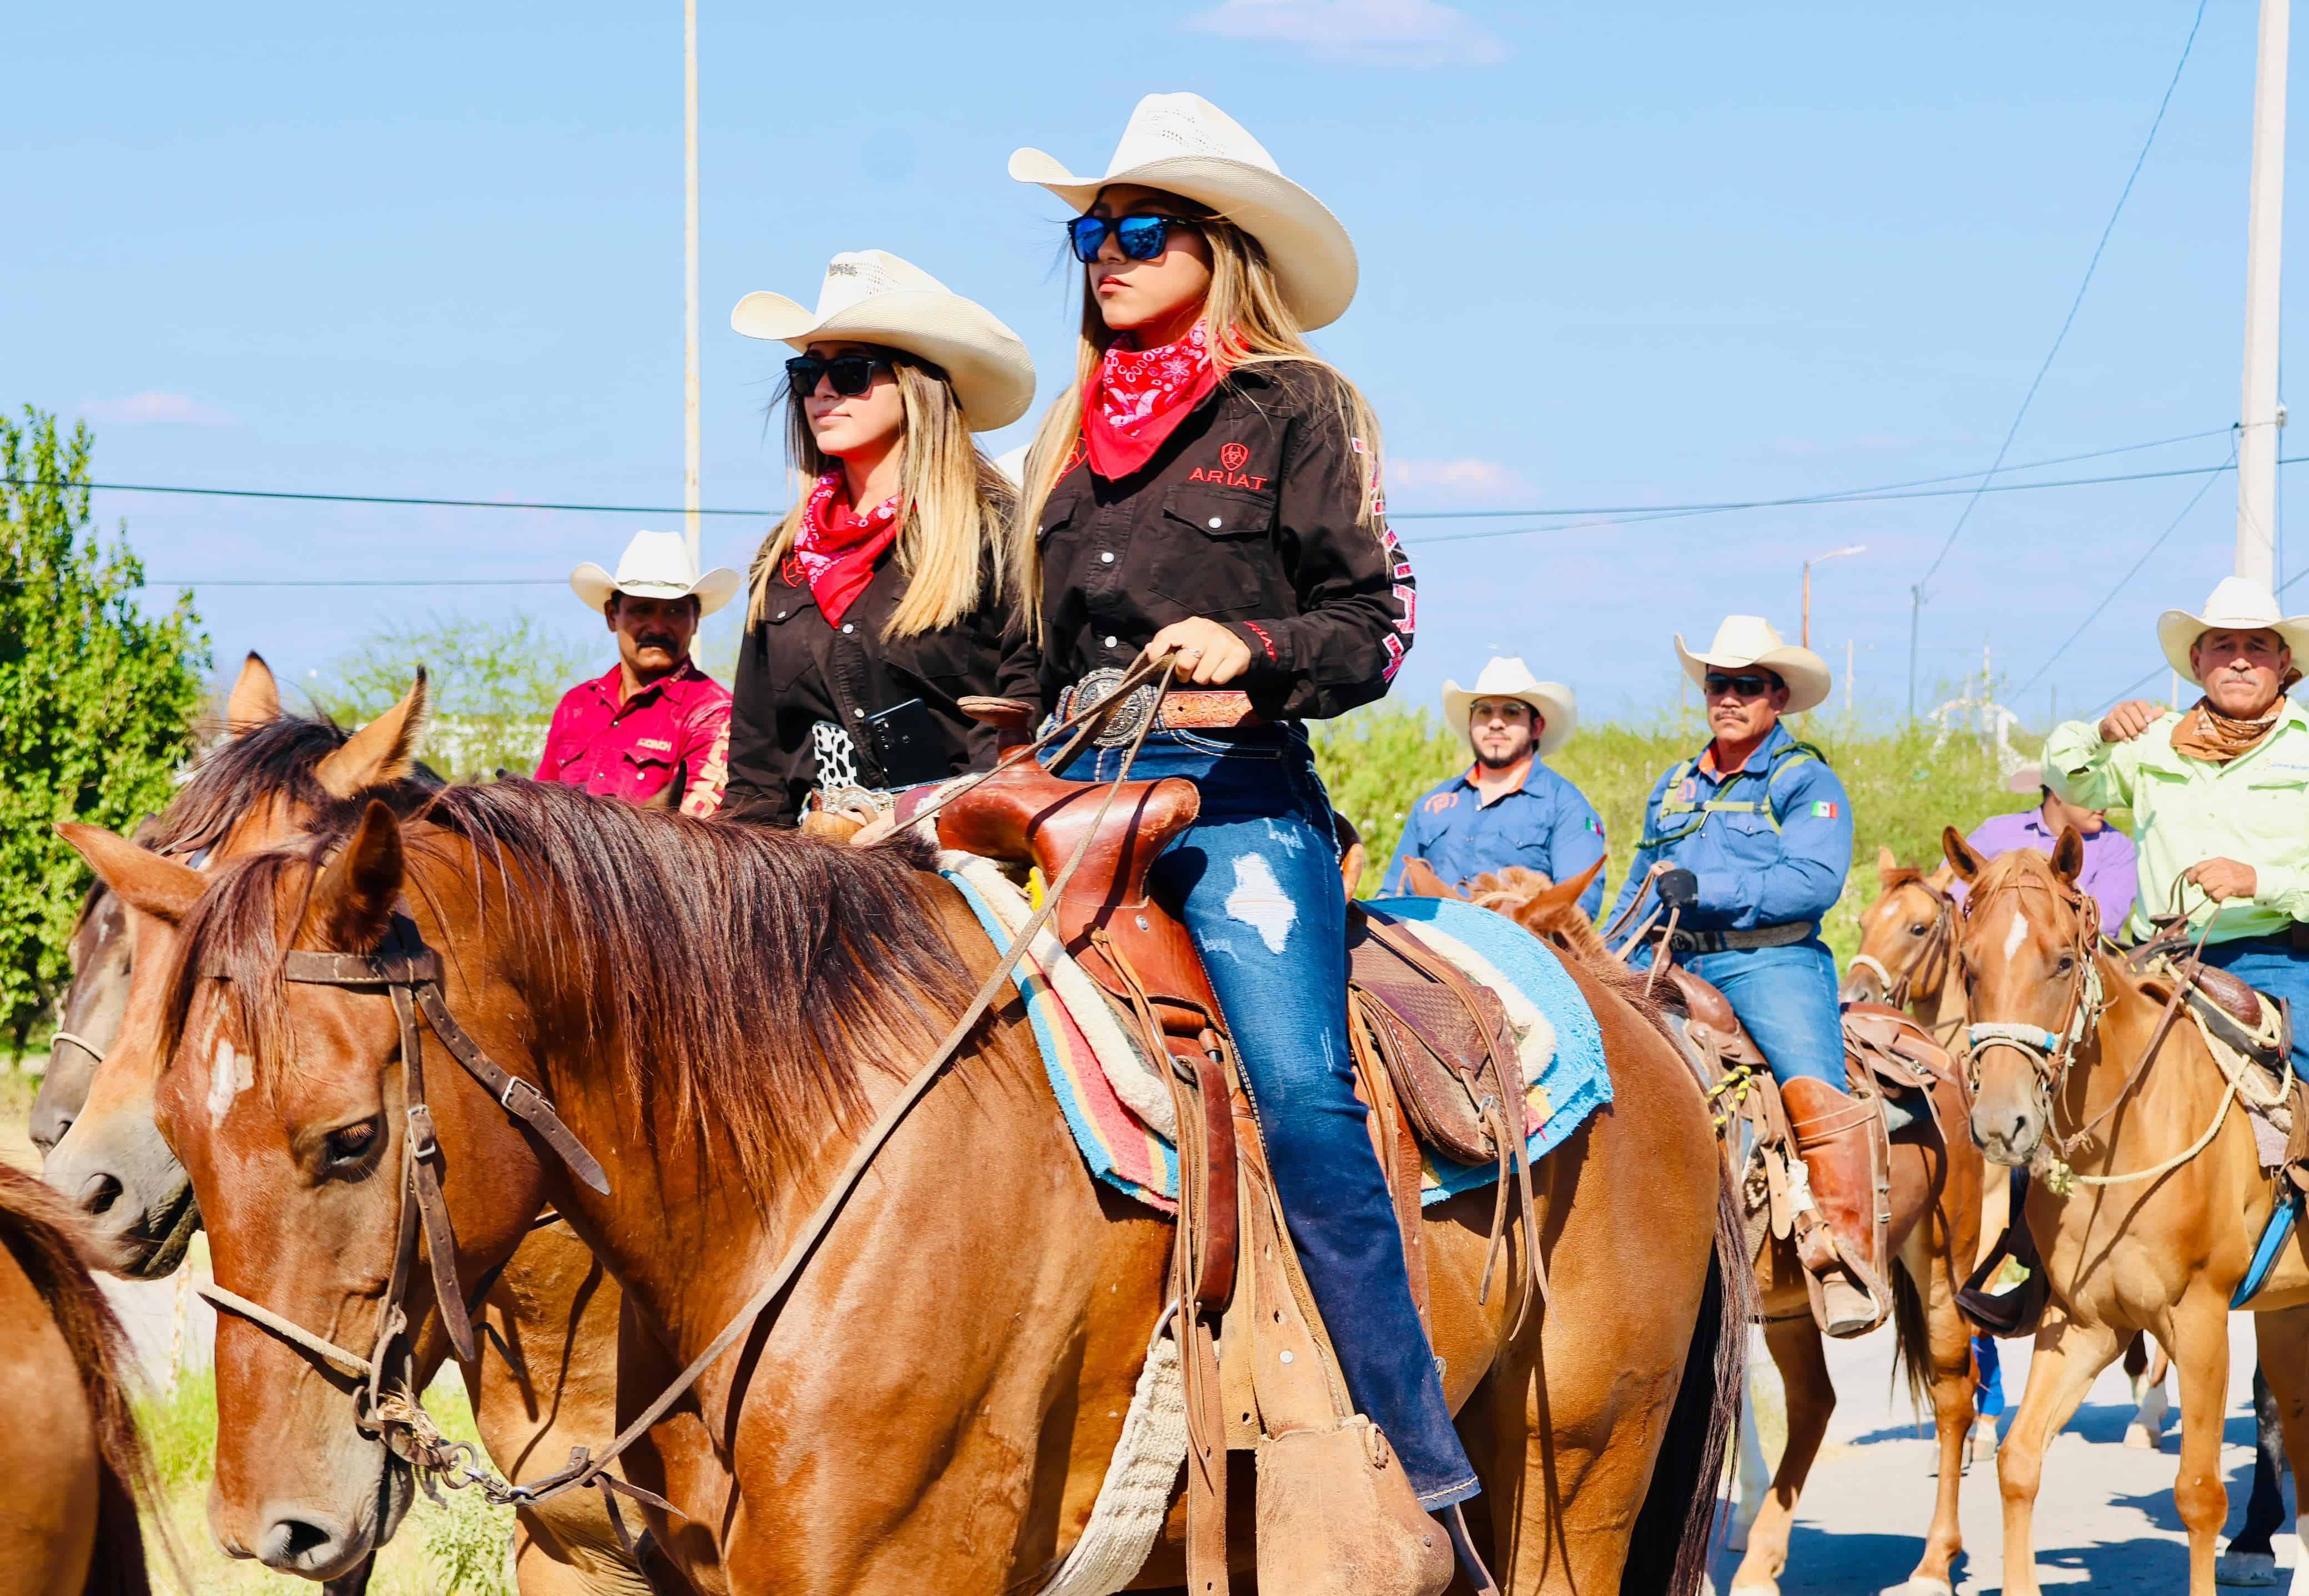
x,y
294,1537
100,1192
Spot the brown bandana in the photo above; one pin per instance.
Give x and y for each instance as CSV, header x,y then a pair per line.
x,y
2206,734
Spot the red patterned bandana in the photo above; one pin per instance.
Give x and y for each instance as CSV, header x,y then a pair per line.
x,y
1137,397
836,549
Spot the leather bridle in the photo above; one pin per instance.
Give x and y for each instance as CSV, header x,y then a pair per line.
x,y
1935,953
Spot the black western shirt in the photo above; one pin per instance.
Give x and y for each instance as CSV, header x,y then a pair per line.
x,y
795,669
1248,514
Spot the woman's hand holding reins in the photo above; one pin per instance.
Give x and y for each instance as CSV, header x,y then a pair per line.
x,y
1209,653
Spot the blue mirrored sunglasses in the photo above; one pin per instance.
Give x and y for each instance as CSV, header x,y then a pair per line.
x,y
1142,238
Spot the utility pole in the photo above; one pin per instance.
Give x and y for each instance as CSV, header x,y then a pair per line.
x,y
1848,678
1915,604
2262,416
1804,636
689,364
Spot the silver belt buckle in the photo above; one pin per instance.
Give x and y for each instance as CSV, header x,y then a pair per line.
x,y
1122,723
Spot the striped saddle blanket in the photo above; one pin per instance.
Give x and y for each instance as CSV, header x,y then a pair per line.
x,y
1120,1109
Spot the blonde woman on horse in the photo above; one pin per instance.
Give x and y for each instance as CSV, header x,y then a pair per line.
x,y
1208,490
881,598
1761,827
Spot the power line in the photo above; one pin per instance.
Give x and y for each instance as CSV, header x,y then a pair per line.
x,y
2075,304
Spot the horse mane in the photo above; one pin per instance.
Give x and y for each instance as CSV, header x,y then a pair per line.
x,y
38,1231
755,975
275,760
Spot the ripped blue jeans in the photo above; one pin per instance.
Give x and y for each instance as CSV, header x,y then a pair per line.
x,y
1256,877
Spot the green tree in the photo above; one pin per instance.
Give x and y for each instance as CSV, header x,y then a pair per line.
x,y
494,686
97,699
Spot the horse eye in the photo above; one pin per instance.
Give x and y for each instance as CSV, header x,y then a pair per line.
x,y
349,1145
1918,929
2064,966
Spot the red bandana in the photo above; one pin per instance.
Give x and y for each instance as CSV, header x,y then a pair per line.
x,y
1137,398
836,549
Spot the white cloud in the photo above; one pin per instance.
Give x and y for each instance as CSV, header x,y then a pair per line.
x,y
153,406
1459,480
1368,32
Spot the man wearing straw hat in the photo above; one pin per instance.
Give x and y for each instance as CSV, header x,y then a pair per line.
x,y
2220,795
1507,807
655,729
1747,845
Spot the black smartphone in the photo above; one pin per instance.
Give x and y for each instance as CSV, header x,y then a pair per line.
x,y
904,739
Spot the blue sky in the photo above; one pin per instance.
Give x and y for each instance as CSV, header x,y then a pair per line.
x,y
1611,256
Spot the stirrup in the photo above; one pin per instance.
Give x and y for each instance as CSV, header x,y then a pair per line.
x,y
1471,1561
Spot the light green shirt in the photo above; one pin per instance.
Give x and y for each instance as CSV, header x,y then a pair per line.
x,y
2253,809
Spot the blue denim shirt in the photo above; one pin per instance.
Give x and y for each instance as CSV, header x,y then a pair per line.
x,y
1774,848
1544,825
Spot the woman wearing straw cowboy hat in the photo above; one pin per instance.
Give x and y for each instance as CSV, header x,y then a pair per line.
x,y
1507,808
881,599
1757,832
1207,488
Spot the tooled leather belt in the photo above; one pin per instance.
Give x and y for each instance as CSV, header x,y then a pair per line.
x,y
1189,708
1718,941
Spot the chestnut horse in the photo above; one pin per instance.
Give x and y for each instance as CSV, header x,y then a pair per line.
x,y
548,1378
1935,1233
2169,1197
938,1399
76,1468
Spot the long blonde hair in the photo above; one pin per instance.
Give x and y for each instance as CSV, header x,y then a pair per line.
x,y
1250,324
953,504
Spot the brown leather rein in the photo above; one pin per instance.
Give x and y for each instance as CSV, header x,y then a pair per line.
x,y
409,973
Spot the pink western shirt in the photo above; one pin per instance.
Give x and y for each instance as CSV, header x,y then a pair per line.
x,y
676,728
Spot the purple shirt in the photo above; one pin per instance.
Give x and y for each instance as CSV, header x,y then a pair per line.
x,y
2109,870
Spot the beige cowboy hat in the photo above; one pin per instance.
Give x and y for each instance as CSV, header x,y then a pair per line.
x,y
2028,780
1553,703
870,296
655,566
1183,144
1749,640
2239,604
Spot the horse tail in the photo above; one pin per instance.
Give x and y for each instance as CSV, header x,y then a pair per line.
x,y
1676,1528
1912,1341
38,1232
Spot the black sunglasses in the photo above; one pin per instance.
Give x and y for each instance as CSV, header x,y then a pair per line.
x,y
1142,238
852,374
1746,686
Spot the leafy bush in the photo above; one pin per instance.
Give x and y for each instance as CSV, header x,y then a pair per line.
x,y
494,682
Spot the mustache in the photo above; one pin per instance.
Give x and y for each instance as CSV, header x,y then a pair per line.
x,y
657,640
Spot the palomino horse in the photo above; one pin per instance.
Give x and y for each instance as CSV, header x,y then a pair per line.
x,y
76,1468
1907,948
1934,1235
549,1317
2167,1201
935,1401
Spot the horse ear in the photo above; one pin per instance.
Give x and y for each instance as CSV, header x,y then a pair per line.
x,y
255,697
161,888
1419,881
1961,859
1563,895
2068,855
353,901
384,750
1888,865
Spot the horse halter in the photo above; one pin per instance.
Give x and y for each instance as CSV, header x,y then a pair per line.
x,y
409,973
2049,1052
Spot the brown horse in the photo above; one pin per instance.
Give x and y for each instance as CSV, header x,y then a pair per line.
x,y
2169,1197
546,1380
76,1468
1937,1183
939,1397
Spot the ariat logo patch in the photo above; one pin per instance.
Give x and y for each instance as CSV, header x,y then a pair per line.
x,y
1233,456
1226,476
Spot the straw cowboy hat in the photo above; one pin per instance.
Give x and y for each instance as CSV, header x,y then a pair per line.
x,y
1552,701
1748,641
870,296
655,566
2239,604
1183,144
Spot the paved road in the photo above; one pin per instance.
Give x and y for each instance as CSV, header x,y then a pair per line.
x,y
2105,1516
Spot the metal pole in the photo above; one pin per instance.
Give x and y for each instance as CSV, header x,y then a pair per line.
x,y
1804,634
689,229
1848,678
2257,434
1915,607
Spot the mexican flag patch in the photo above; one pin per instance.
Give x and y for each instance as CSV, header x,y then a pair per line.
x,y
1822,809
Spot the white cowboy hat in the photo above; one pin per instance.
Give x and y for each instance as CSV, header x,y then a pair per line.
x,y
1183,144
2029,780
1553,703
655,566
1749,640
870,296
2239,604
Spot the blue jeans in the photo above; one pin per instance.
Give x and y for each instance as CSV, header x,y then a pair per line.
x,y
1257,881
1988,1397
1786,998
2266,967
